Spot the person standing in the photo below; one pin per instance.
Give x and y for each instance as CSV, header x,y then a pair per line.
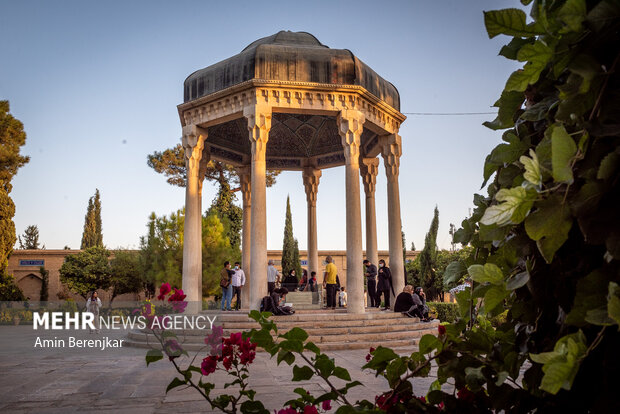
x,y
330,282
93,304
225,283
238,281
371,280
342,298
272,276
384,284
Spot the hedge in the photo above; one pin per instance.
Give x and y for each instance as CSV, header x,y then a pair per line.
x,y
444,311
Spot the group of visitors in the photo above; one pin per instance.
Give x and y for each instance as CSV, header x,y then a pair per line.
x,y
381,287
412,303
231,282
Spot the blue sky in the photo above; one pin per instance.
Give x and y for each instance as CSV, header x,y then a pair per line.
x,y
96,85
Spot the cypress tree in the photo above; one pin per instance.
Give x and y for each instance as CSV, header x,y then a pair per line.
x,y
428,256
229,213
92,235
97,212
290,249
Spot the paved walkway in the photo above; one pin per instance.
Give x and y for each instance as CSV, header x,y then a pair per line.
x,y
118,381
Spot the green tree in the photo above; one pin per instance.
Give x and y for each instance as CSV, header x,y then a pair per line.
x,y
216,249
45,280
86,271
126,275
428,255
171,163
92,235
228,213
12,138
31,238
290,249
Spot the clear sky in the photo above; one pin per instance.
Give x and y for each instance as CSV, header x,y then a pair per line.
x,y
96,84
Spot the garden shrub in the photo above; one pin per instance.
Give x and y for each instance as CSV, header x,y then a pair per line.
x,y
444,311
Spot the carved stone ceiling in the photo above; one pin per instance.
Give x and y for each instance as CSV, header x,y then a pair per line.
x,y
291,136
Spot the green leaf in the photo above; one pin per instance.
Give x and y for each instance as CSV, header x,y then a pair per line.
x,y
563,149
453,273
518,280
511,49
561,365
608,166
537,52
488,273
253,407
297,334
494,297
428,343
510,22
549,225
153,355
613,303
599,317
539,110
176,382
325,366
507,153
532,168
508,103
302,373
342,373
572,14
394,371
514,205
311,346
286,356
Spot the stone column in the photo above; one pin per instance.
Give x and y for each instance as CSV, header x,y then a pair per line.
x,y
193,144
311,183
245,177
202,171
259,124
391,151
350,127
369,167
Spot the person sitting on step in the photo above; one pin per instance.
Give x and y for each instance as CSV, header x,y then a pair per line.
x,y
406,304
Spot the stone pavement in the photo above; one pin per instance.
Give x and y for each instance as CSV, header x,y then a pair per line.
x,y
118,381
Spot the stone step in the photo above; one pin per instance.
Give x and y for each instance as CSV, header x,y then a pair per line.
x,y
322,315
409,323
325,347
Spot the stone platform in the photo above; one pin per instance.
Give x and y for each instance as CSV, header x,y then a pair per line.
x,y
330,330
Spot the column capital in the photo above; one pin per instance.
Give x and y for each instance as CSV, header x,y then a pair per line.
x,y
369,168
259,124
245,181
391,150
311,178
350,128
193,142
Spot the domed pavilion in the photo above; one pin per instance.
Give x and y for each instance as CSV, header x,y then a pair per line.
x,y
288,102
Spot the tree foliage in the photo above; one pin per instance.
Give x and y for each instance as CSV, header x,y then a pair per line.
x,y
30,238
45,281
290,249
92,235
171,163
161,251
428,255
126,274
230,214
546,238
86,271
12,138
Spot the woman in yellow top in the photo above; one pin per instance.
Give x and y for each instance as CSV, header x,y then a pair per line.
x,y
329,282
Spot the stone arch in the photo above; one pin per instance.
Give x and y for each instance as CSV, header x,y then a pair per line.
x,y
31,284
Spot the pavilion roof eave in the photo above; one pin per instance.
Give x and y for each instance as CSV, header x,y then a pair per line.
x,y
257,83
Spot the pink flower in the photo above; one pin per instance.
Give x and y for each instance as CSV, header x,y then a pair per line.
x,y
466,395
177,299
236,338
326,405
441,329
247,357
164,289
310,409
208,366
227,362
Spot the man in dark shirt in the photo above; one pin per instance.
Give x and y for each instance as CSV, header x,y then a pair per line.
x,y
371,280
